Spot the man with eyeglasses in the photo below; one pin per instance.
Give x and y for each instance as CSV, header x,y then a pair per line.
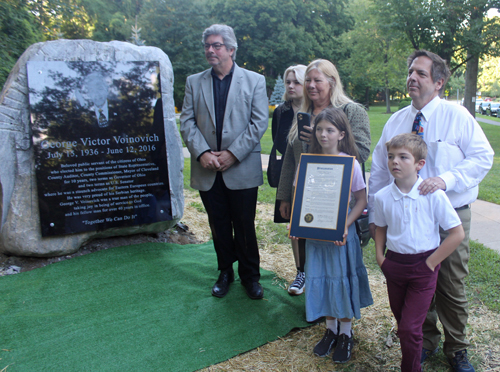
x,y
224,116
459,157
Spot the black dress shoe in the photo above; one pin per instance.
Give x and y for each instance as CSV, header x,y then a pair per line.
x,y
254,290
221,286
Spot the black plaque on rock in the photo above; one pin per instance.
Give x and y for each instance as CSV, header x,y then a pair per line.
x,y
99,140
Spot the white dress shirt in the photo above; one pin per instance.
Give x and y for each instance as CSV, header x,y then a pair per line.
x,y
412,219
458,151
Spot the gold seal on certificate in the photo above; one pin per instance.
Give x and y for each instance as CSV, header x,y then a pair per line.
x,y
308,218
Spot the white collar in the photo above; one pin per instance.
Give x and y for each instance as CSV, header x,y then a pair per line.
x,y
414,192
428,109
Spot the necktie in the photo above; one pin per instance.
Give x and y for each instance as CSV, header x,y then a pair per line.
x,y
103,122
417,128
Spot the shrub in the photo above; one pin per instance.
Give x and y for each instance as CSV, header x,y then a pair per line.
x,y
271,110
404,102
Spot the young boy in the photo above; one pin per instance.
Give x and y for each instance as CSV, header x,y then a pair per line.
x,y
409,224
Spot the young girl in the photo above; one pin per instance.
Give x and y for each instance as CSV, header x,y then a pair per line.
x,y
336,278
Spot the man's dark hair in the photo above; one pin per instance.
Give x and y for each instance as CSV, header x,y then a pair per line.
x,y
439,69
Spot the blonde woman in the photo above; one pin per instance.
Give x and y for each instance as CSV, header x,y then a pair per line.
x,y
282,121
323,89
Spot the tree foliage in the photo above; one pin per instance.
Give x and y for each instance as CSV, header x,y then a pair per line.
x,y
375,51
61,18
456,84
489,78
176,27
367,40
136,38
456,30
279,90
274,34
17,32
112,19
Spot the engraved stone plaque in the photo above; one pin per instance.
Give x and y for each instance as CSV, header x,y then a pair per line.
x,y
99,141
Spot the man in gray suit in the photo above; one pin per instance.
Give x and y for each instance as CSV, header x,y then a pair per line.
x,y
224,116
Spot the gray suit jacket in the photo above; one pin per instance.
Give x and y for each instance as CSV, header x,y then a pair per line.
x,y
245,121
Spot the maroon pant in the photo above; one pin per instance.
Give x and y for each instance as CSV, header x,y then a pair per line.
x,y
411,285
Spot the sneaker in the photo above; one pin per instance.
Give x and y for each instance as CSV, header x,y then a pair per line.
x,y
326,344
342,353
426,353
460,362
298,285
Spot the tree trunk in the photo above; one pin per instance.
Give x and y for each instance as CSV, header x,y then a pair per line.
x,y
471,84
471,70
387,100
387,96
387,92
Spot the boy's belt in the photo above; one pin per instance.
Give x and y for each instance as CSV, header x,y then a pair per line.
x,y
466,206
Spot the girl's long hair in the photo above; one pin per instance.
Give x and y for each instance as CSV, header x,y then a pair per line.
x,y
338,118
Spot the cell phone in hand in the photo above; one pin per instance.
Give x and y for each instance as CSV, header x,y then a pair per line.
x,y
303,120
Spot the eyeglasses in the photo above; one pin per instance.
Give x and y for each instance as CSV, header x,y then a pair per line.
x,y
216,46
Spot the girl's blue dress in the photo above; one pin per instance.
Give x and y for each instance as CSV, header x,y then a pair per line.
x,y
336,279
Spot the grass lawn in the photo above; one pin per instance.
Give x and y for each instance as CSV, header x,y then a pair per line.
x,y
488,189
494,118
266,142
378,118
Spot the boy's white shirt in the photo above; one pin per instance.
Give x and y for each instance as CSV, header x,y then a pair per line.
x,y
412,219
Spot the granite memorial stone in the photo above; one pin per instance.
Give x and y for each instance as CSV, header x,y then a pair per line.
x,y
89,146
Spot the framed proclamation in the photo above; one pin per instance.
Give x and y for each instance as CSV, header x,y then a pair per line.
x,y
321,199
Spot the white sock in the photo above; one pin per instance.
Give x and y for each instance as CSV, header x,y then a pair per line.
x,y
332,325
345,328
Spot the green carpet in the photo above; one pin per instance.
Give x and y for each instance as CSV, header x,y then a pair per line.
x,y
144,307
